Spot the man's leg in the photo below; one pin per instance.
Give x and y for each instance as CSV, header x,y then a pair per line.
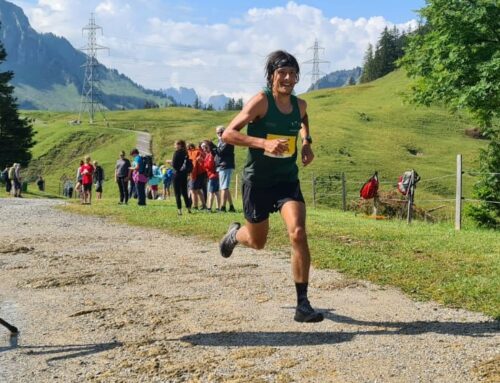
x,y
229,199
141,193
252,235
294,215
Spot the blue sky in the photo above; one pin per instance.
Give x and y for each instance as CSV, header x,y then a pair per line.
x,y
220,46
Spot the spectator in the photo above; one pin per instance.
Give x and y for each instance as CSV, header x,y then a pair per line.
x,y
7,180
154,181
213,178
139,177
224,162
78,185
40,182
197,177
122,173
16,178
167,173
87,171
179,161
68,189
98,178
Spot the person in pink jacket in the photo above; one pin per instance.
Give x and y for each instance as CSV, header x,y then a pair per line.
x,y
213,177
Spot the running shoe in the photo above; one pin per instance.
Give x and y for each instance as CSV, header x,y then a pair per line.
x,y
306,314
229,242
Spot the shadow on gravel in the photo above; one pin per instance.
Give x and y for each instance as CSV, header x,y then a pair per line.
x,y
309,338
473,329
68,351
292,338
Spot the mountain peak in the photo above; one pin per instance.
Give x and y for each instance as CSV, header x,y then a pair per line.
x,y
49,73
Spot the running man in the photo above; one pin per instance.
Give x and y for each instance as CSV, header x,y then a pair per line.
x,y
275,118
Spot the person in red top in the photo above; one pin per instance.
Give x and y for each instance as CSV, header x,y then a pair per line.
x,y
195,184
87,171
213,177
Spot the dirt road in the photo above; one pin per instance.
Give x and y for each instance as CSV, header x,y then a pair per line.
x,y
102,302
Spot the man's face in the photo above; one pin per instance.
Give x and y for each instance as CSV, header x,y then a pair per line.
x,y
284,79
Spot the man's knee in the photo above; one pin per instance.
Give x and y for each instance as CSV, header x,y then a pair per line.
x,y
297,234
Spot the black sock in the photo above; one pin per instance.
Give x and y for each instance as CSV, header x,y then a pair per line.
x,y
301,289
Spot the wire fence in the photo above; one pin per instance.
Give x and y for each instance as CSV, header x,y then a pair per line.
x,y
439,198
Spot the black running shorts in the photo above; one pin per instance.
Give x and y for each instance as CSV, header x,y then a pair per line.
x,y
259,202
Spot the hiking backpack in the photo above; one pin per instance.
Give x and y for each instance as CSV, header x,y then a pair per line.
x,y
12,173
187,165
404,181
147,166
370,187
5,175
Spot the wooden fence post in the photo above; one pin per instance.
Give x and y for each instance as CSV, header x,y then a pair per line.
x,y
314,190
344,193
236,188
458,194
411,190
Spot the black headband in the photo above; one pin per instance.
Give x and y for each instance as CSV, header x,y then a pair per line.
x,y
285,62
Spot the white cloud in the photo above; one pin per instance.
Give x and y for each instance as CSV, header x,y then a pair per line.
x,y
106,7
212,58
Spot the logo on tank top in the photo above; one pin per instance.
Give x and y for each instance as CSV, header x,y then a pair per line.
x,y
294,126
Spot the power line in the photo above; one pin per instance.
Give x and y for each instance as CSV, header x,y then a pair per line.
x,y
315,61
90,100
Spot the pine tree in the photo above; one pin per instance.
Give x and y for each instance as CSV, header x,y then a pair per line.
x,y
230,104
389,48
197,103
386,53
350,81
368,69
16,134
239,104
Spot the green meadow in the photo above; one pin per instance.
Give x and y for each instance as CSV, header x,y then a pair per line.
x,y
356,130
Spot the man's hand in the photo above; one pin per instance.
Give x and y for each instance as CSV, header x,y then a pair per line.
x,y
307,154
277,147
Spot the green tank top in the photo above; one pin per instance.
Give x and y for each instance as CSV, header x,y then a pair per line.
x,y
264,169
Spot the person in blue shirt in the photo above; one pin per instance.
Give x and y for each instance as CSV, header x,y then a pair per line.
x,y
167,173
139,177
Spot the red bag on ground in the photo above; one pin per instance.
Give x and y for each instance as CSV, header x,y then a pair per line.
x,y
370,188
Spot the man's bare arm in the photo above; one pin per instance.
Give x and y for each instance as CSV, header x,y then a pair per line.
x,y
306,152
256,108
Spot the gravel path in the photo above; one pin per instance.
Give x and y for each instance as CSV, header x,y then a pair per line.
x,y
103,302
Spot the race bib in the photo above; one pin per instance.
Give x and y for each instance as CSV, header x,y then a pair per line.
x,y
291,146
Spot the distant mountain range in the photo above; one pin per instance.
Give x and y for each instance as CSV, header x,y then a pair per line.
x,y
337,79
181,96
48,72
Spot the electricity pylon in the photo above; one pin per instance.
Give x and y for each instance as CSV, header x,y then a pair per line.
x,y
90,100
315,61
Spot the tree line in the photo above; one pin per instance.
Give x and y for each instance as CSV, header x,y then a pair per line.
x,y
382,59
231,104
